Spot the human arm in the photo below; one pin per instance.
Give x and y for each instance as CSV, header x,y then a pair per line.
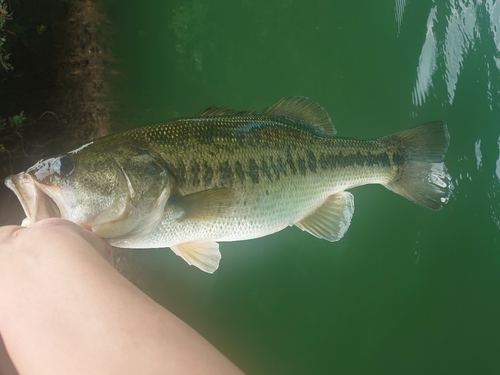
x,y
64,309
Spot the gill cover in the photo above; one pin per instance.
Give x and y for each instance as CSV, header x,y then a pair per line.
x,y
120,191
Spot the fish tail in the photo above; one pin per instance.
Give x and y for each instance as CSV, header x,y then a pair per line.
x,y
421,174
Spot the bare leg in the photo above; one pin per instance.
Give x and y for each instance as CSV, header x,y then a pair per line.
x,y
64,309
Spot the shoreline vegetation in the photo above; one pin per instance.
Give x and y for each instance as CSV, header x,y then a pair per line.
x,y
53,92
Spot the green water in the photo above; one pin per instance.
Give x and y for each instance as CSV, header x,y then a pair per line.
x,y
407,290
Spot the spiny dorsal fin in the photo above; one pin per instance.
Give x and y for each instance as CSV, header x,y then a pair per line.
x,y
305,109
216,111
308,113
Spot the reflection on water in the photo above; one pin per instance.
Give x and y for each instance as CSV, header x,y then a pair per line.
x,y
469,26
494,194
460,34
463,35
427,62
494,11
479,155
399,10
498,160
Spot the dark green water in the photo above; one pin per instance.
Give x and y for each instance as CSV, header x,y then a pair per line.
x,y
407,290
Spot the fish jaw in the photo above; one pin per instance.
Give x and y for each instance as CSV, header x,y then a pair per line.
x,y
37,205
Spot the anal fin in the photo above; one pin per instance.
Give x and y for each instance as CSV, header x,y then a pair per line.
x,y
203,254
331,220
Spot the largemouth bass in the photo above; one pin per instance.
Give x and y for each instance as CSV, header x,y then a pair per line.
x,y
224,175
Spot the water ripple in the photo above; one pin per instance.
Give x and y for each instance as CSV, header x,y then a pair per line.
x,y
479,154
498,160
427,62
459,38
399,10
454,29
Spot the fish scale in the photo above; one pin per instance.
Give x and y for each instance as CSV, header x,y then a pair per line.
x,y
281,151
223,175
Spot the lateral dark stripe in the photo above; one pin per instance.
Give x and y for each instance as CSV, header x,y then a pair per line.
x,y
275,169
398,158
311,161
264,167
178,172
290,163
240,173
226,174
301,164
194,174
329,161
208,174
281,164
253,171
332,161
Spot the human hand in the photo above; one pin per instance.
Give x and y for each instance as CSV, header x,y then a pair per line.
x,y
26,252
51,231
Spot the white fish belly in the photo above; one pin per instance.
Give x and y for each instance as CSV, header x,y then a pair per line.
x,y
255,213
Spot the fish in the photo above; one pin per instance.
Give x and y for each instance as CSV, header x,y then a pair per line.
x,y
226,175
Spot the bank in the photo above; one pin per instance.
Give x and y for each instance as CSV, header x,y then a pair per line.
x,y
53,91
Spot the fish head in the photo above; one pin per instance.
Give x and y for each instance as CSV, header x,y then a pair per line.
x,y
118,191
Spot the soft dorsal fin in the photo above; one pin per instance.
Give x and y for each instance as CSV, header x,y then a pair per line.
x,y
305,109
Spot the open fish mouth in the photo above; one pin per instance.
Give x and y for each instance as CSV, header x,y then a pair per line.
x,y
37,205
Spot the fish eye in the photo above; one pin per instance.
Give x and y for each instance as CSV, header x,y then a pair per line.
x,y
63,166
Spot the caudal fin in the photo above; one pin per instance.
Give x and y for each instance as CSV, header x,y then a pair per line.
x,y
423,177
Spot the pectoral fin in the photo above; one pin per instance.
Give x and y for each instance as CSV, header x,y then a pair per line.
x,y
203,254
205,205
331,220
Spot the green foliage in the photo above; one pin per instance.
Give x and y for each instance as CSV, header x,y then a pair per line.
x,y
10,126
17,121
4,16
14,123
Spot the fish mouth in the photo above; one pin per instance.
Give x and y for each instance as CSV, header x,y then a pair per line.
x,y
37,205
